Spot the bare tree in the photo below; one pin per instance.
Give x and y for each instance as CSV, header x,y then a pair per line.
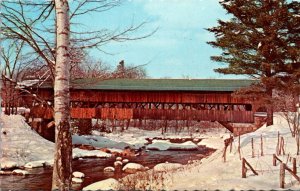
x,y
12,62
38,25
37,30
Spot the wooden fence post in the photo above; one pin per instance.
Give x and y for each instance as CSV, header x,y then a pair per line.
x,y
274,160
281,175
224,154
282,146
252,143
244,169
277,147
294,166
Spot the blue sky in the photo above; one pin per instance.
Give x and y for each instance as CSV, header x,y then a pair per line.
x,y
179,46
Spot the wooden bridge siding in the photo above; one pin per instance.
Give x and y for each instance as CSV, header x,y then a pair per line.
x,y
162,114
147,96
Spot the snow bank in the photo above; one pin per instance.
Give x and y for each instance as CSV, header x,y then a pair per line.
x,y
20,144
108,184
167,145
214,142
163,167
78,153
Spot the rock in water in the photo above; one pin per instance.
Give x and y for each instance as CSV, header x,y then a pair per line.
x,y
77,174
109,169
133,168
77,180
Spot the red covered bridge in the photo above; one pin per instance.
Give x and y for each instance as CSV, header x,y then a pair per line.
x,y
164,99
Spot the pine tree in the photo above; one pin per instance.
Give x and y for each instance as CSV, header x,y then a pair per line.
x,y
261,40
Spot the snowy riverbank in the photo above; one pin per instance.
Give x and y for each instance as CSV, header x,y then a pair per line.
x,y
212,173
23,147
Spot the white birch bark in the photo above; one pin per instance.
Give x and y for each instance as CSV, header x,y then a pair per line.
x,y
62,168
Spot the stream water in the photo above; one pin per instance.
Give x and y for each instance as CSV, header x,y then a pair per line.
x,y
40,178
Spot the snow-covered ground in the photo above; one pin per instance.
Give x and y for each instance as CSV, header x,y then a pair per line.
x,y
213,173
22,146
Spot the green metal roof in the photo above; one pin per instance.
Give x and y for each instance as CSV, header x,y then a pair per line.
x,y
162,84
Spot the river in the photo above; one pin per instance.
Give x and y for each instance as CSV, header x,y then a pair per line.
x,y
40,178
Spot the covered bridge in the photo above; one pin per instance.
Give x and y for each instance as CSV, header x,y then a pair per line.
x,y
162,99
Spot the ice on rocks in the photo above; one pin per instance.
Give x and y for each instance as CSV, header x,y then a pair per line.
x,y
98,141
79,153
77,174
167,145
20,172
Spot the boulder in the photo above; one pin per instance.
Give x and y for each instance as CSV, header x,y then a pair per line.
x,y
77,180
133,168
109,169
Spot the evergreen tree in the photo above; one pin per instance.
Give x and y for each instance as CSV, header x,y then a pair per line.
x,y
262,41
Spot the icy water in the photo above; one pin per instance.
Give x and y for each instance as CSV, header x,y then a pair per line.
x,y
40,178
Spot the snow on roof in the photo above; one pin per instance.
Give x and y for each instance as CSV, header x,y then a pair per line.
x,y
27,83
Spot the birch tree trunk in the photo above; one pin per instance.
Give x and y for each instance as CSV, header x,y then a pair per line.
x,y
62,167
